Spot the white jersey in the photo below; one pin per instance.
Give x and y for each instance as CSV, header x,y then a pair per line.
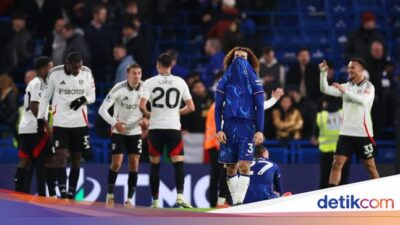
x,y
165,93
63,89
33,93
357,104
126,108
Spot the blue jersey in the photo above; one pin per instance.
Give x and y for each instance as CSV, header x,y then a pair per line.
x,y
264,180
239,85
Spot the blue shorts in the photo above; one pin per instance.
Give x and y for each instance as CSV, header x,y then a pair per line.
x,y
257,193
239,144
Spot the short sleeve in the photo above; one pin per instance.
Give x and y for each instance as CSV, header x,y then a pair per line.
x,y
36,92
145,93
222,84
256,85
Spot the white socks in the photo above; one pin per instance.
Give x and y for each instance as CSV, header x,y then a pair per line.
x,y
238,187
243,185
179,197
233,187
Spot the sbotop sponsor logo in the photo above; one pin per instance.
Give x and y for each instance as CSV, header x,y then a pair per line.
x,y
355,202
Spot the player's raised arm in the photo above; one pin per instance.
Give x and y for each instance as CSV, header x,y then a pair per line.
x,y
323,81
276,95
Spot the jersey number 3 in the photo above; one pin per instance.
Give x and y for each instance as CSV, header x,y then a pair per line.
x,y
168,102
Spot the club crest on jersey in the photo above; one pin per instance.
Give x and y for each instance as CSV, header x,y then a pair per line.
x,y
62,82
81,82
126,98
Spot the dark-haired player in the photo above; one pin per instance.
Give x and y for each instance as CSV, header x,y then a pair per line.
x,y
126,125
165,93
356,129
70,87
31,144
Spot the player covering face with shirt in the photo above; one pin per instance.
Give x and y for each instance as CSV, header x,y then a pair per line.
x,y
240,104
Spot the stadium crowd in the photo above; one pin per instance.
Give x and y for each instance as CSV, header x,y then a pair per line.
x,y
111,34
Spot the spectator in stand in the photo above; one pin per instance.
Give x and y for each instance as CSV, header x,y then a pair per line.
x,y
202,100
101,40
308,111
123,60
76,43
251,38
272,73
383,81
305,75
215,63
232,37
287,120
8,104
41,15
17,46
55,43
210,12
224,21
359,40
78,12
138,46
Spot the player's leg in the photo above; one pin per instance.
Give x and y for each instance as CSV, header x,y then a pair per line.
x,y
366,151
79,143
155,146
62,141
175,151
51,174
20,175
243,180
117,156
116,162
39,155
134,150
26,146
325,166
336,171
232,180
214,176
133,167
344,149
223,195
245,148
370,165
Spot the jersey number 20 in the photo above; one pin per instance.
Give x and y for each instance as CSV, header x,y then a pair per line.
x,y
168,102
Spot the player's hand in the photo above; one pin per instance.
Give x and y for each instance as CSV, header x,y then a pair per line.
x,y
221,137
323,66
120,127
258,138
40,127
77,103
339,87
277,93
144,123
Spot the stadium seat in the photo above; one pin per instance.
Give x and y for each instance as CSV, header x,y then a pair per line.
x,y
278,154
308,155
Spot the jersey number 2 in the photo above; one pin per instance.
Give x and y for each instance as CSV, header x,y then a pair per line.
x,y
168,100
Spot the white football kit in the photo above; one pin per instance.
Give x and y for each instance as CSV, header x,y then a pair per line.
x,y
126,107
357,103
63,88
165,94
33,93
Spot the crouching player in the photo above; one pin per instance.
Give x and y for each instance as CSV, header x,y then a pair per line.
x,y
265,177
